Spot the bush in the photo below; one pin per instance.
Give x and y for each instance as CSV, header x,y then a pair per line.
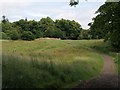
x,y
38,34
13,34
27,35
3,35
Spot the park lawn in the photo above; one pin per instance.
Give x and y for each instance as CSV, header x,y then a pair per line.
x,y
49,63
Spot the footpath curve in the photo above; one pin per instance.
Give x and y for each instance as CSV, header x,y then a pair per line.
x,y
107,79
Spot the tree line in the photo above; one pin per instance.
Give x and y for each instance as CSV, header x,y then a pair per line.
x,y
46,27
105,26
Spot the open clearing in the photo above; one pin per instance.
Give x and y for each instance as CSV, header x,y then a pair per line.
x,y
50,63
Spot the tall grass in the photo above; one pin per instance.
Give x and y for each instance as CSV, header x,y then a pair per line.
x,y
48,64
117,61
105,48
18,72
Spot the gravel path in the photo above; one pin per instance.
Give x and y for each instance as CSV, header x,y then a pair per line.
x,y
107,79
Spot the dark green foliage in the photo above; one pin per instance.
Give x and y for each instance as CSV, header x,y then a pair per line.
x,y
46,23
27,35
115,40
37,33
23,24
6,26
3,35
53,32
12,34
85,34
46,27
4,19
71,29
107,24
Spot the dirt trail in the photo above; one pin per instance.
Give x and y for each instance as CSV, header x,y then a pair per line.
x,y
107,79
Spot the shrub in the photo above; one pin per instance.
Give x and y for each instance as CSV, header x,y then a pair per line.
x,y
38,34
3,35
27,35
13,34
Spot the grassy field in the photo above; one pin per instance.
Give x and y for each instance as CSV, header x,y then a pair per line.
x,y
49,63
105,48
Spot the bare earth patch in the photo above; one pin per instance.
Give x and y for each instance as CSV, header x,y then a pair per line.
x,y
107,79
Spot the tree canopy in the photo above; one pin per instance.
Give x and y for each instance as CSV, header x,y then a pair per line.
x,y
45,27
107,23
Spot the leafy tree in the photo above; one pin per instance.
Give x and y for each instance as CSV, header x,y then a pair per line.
x,y
23,24
46,27
27,35
53,32
6,26
85,34
4,19
70,28
74,29
33,26
13,34
3,35
107,23
37,33
45,24
9,29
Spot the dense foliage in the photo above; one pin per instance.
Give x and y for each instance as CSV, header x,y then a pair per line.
x,y
27,35
46,27
85,34
107,24
70,29
3,35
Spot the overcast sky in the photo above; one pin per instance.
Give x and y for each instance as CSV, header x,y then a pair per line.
x,y
56,9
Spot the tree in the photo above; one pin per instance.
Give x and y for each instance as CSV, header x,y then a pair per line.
x,y
4,19
37,33
33,26
53,32
85,34
23,24
49,29
107,22
3,35
46,27
45,23
71,29
13,34
27,35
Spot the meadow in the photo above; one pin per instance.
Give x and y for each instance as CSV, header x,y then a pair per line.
x,y
51,63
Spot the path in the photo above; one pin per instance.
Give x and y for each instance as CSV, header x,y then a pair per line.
x,y
107,79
